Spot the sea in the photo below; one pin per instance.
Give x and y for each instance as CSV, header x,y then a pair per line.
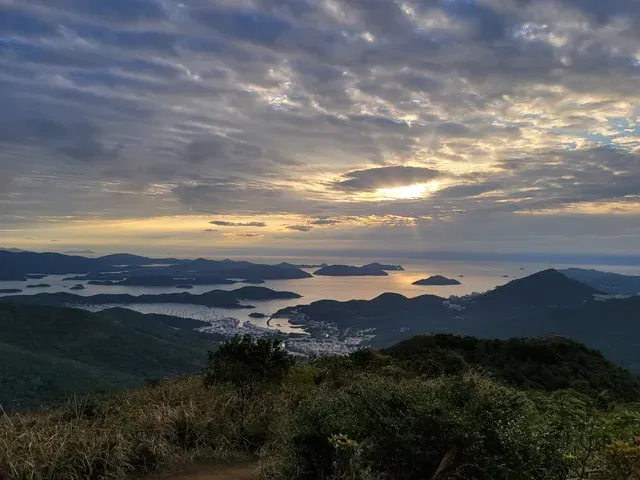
x,y
475,277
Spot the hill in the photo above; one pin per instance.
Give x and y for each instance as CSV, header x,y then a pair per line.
x,y
48,354
544,304
213,298
549,364
545,288
437,280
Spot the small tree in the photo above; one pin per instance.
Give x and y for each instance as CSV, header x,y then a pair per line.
x,y
248,364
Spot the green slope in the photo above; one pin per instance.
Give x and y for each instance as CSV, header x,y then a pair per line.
x,y
533,363
49,353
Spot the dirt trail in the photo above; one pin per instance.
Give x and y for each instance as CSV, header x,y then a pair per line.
x,y
243,471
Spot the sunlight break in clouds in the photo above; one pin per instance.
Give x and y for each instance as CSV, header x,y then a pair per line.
x,y
417,125
408,192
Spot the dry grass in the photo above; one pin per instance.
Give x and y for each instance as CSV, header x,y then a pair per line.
x,y
127,433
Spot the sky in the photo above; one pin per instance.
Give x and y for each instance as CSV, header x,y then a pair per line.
x,y
296,126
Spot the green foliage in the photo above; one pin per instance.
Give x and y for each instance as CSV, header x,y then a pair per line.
x,y
48,354
406,429
422,411
541,364
247,363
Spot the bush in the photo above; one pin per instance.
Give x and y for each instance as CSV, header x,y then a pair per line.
x,y
412,430
248,364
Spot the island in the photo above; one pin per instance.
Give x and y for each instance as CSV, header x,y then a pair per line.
x,y
380,266
303,265
437,280
350,271
10,275
79,286
101,282
184,287
214,298
254,281
257,315
39,285
36,276
10,290
169,281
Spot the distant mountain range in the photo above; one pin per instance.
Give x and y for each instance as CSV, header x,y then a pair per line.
x,y
16,265
612,283
546,303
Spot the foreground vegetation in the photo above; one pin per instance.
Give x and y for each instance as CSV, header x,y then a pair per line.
x,y
370,416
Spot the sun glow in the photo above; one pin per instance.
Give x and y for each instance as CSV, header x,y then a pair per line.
x,y
407,192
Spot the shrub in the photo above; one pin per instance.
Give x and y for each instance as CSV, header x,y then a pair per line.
x,y
411,430
248,365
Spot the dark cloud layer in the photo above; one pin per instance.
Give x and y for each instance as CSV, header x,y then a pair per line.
x,y
223,223
375,178
300,228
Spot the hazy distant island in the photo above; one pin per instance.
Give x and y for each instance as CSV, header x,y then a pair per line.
x,y
380,266
437,280
35,276
79,286
257,315
168,281
10,290
350,271
304,265
39,285
184,287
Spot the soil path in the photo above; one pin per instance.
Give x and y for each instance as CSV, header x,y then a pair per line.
x,y
242,471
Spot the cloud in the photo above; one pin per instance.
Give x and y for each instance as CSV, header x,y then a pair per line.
x,y
145,108
223,223
246,235
299,228
325,221
374,178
